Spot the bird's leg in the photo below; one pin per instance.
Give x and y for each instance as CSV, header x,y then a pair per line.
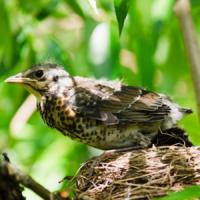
x,y
140,141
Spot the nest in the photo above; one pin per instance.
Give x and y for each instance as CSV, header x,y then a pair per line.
x,y
139,174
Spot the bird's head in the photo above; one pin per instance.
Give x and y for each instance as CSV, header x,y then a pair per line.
x,y
42,78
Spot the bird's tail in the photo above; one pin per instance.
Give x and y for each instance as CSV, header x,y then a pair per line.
x,y
186,111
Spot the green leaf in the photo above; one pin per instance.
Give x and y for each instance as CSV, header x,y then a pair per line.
x,y
76,8
186,194
6,40
195,3
121,10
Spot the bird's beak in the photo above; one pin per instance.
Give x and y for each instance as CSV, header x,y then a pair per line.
x,y
18,79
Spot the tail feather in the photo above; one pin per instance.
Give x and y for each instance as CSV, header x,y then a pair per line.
x,y
186,110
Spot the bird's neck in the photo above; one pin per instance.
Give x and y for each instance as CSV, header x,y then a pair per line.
x,y
56,93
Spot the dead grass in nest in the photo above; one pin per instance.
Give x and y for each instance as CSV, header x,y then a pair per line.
x,y
139,174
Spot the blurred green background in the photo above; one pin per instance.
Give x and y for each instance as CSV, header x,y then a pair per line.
x,y
84,38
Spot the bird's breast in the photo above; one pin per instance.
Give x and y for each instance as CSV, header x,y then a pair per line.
x,y
56,111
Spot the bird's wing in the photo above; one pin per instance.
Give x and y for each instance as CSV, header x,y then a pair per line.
x,y
126,105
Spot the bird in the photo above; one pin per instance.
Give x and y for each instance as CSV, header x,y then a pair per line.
x,y
103,114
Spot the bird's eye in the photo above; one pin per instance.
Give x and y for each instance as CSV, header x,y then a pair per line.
x,y
39,73
55,78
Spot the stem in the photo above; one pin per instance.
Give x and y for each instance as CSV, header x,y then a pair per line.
x,y
182,9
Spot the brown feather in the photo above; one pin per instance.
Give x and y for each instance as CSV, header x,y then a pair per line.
x,y
129,104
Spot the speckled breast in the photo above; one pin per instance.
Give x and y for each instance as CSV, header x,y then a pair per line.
x,y
57,113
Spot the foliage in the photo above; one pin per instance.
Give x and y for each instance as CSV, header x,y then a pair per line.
x,y
85,40
189,193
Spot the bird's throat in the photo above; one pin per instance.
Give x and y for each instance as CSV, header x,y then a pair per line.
x,y
33,91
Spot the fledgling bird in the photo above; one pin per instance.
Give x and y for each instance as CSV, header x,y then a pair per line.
x,y
103,114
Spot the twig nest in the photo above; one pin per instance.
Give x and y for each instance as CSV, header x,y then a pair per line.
x,y
139,174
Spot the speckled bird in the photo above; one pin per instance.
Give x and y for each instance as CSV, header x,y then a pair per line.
x,y
103,114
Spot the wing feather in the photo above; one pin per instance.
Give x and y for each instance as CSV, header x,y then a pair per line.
x,y
127,105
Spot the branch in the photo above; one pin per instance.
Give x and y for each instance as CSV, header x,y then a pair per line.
x,y
182,10
13,177
139,174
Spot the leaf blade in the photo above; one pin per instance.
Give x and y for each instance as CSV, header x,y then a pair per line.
x,y
121,11
74,5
